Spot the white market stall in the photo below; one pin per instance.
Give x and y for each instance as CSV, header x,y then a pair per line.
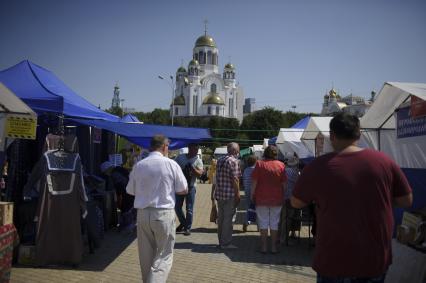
x,y
17,120
316,136
380,127
396,125
289,142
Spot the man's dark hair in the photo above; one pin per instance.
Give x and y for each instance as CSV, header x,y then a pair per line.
x,y
271,152
345,126
158,141
193,145
251,160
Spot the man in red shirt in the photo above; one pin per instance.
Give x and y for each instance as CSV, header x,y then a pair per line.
x,y
354,190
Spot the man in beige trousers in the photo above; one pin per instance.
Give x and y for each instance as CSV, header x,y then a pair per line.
x,y
154,181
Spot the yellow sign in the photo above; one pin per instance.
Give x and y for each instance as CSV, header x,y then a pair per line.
x,y
21,127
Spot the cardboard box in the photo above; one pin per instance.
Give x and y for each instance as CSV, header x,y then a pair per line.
x,y
411,220
6,213
414,223
26,255
405,234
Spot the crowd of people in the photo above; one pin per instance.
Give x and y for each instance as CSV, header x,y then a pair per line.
x,y
353,191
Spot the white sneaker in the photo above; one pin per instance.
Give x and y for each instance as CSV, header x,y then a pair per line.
x,y
229,247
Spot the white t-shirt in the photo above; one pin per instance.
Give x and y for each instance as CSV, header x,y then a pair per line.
x,y
154,182
195,162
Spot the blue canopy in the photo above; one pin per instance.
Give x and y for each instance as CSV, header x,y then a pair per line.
x,y
301,124
129,118
141,134
43,92
272,141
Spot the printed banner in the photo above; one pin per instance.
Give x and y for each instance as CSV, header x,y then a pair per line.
x,y
21,127
406,126
418,107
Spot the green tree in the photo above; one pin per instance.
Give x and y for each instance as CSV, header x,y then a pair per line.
x,y
115,111
161,117
264,123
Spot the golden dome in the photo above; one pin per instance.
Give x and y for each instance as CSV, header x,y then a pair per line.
x,y
229,66
213,98
193,62
179,100
205,40
333,93
181,70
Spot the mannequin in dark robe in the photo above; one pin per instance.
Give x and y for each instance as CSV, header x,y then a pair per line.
x,y
62,202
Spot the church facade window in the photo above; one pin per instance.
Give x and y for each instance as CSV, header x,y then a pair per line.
x,y
217,110
202,58
213,88
209,110
209,57
194,104
176,111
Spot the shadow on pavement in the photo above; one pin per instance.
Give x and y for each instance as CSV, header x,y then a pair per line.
x,y
296,254
212,230
113,244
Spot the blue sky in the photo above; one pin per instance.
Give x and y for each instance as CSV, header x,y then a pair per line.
x,y
286,52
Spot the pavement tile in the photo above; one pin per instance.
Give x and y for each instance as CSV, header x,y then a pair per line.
x,y
196,257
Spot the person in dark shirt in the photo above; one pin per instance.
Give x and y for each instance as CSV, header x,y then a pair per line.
x,y
354,190
119,177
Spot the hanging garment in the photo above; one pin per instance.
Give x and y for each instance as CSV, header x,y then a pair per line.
x,y
61,203
52,142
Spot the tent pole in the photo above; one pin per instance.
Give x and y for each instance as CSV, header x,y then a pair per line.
x,y
378,138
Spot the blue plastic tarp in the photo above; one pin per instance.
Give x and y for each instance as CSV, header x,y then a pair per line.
x,y
45,93
141,134
129,118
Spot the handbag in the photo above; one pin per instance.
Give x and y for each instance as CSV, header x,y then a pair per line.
x,y
213,213
251,213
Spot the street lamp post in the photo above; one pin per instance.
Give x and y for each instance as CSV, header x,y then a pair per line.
x,y
173,90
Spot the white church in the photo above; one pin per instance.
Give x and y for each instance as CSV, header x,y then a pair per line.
x,y
202,90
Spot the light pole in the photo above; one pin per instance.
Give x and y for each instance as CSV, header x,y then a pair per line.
x,y
172,86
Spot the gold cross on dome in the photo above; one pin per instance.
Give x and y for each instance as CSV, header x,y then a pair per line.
x,y
205,26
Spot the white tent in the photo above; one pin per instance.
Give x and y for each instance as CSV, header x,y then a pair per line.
x,y
288,142
11,105
316,136
258,150
379,123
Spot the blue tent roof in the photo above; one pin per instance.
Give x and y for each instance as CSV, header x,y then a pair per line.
x,y
272,141
141,134
129,118
43,92
301,124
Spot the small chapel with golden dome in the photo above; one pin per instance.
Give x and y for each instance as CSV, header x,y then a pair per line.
x,y
201,90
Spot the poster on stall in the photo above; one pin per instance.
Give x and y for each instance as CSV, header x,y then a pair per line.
x,y
21,127
116,159
407,126
97,135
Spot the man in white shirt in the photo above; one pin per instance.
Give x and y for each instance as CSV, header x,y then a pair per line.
x,y
154,181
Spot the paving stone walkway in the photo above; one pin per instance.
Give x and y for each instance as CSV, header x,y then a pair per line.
x,y
196,258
